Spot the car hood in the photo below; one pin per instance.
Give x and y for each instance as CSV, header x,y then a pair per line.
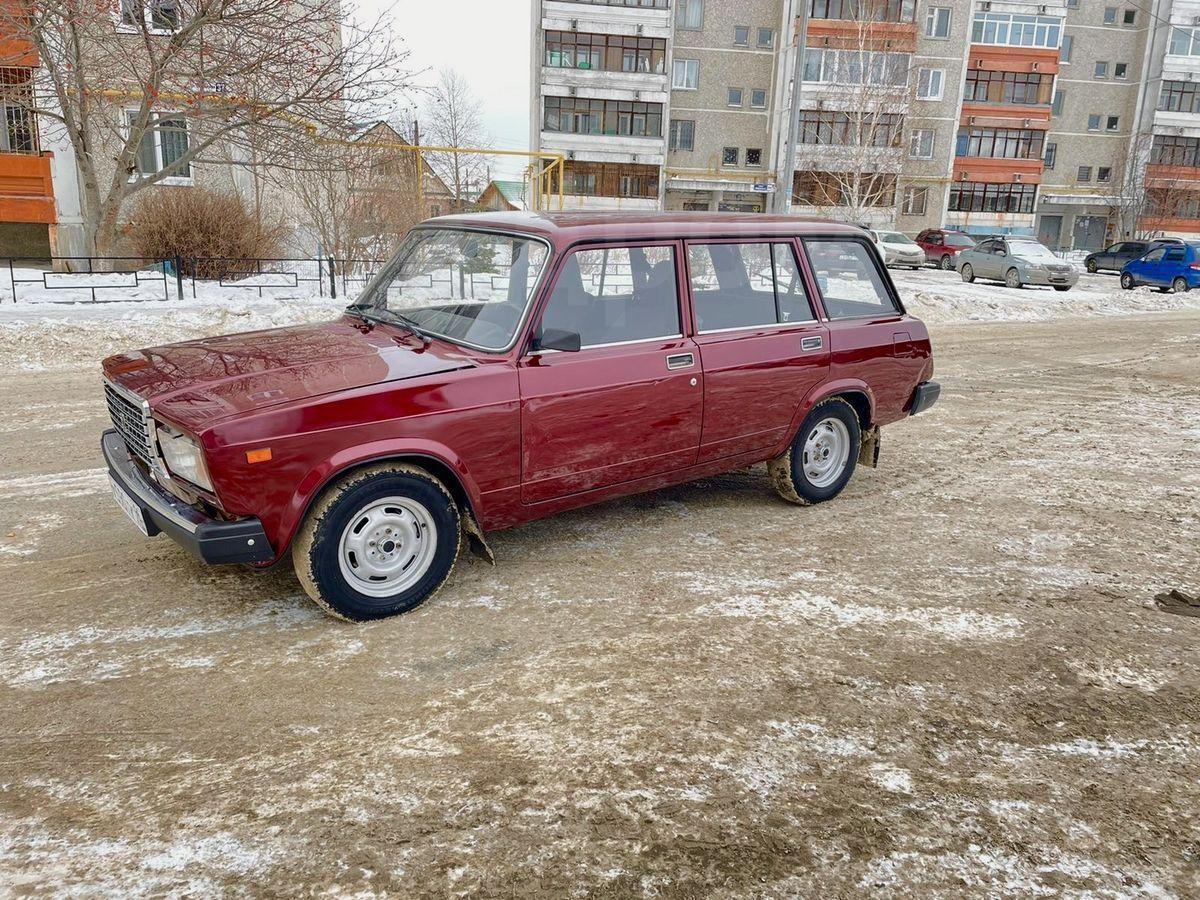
x,y
197,383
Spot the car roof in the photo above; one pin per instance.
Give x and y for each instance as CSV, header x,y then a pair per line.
x,y
568,227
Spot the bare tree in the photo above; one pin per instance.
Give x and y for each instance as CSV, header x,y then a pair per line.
x,y
145,90
1129,192
454,118
852,147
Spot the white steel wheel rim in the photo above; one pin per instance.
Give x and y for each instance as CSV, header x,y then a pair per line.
x,y
387,546
826,451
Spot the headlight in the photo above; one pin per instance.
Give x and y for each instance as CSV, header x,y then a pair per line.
x,y
183,456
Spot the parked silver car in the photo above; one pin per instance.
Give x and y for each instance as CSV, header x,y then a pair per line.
x,y
898,249
1016,261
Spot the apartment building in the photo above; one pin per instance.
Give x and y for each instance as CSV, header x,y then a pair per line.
x,y
1073,120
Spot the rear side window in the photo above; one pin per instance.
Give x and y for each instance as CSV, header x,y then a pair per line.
x,y
743,285
849,282
616,294
1175,253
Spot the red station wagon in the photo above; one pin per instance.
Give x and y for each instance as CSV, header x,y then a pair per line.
x,y
504,367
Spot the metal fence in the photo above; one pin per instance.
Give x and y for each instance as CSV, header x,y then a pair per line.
x,y
99,279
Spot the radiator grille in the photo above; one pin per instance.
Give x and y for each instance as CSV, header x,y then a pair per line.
x,y
133,426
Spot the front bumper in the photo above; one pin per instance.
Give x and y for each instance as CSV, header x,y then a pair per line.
x,y
904,259
924,396
1046,277
214,541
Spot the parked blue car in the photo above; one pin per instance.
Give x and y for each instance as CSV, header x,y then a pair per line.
x,y
1173,267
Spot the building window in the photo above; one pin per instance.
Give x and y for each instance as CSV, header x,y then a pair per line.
x,y
766,38
1064,52
735,97
163,144
1120,70
857,10
856,68
1101,70
1014,30
161,16
1110,15
18,125
1179,96
1072,4
1184,41
920,144
851,129
1172,150
689,14
580,115
1104,174
833,189
741,35
1084,174
605,52
1094,122
915,201
1051,155
1056,107
929,83
1129,17
685,74
729,156
971,196
592,179
1112,123
937,23
753,157
683,134
1000,143
1015,88
758,98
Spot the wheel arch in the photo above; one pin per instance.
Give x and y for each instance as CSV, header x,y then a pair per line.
x,y
854,391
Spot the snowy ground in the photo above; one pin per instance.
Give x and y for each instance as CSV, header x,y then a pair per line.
x,y
46,329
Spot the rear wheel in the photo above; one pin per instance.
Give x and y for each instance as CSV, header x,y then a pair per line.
x,y
967,273
1091,266
823,456
1179,285
1127,281
378,543
1062,287
947,262
1012,278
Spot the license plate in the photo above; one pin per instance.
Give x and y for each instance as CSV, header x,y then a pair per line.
x,y
131,509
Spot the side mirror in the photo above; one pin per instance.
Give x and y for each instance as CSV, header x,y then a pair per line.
x,y
557,339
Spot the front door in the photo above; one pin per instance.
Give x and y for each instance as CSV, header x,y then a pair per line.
x,y
761,344
1089,232
628,404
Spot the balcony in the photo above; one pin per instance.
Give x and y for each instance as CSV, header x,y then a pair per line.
x,y
849,34
601,84
986,170
1003,115
1168,176
1186,124
26,189
584,15
1042,60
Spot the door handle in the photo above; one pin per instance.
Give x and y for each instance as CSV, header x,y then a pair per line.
x,y
813,342
681,361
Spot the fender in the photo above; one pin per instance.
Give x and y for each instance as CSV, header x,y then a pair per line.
x,y
318,478
821,392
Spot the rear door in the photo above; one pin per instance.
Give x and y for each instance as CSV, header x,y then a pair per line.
x,y
629,403
760,343
1173,265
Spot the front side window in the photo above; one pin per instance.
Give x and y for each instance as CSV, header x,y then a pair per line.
x,y
465,286
615,295
746,285
850,284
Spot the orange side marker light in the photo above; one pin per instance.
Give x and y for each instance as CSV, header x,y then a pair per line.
x,y
262,454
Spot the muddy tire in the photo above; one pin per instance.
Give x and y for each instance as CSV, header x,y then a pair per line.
x,y
823,456
947,263
1179,285
1127,281
1091,266
967,272
1012,278
378,542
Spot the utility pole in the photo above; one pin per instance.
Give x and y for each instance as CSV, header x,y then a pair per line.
x,y
783,184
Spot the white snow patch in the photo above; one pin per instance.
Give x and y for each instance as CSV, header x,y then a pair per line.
x,y
892,778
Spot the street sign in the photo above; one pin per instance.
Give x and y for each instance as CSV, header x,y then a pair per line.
x,y
764,187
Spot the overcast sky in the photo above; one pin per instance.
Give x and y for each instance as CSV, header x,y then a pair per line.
x,y
487,42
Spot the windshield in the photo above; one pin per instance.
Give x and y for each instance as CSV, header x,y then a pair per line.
x,y
469,287
959,240
1031,250
894,237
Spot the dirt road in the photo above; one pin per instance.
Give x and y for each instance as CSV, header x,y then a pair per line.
x,y
951,680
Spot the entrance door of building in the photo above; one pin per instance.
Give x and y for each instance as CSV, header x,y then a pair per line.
x,y
1089,232
1050,231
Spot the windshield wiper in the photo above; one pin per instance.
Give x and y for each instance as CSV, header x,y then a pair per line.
x,y
398,318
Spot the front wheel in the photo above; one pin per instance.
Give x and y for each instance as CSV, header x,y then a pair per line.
x,y
1012,278
1127,281
1091,266
1179,285
948,262
378,542
967,273
823,456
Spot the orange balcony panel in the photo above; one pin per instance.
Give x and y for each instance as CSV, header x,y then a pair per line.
x,y
1172,224
26,191
1013,59
13,50
845,34
997,171
1159,176
997,115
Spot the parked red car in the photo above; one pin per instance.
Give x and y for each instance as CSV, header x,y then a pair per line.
x,y
503,367
942,246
